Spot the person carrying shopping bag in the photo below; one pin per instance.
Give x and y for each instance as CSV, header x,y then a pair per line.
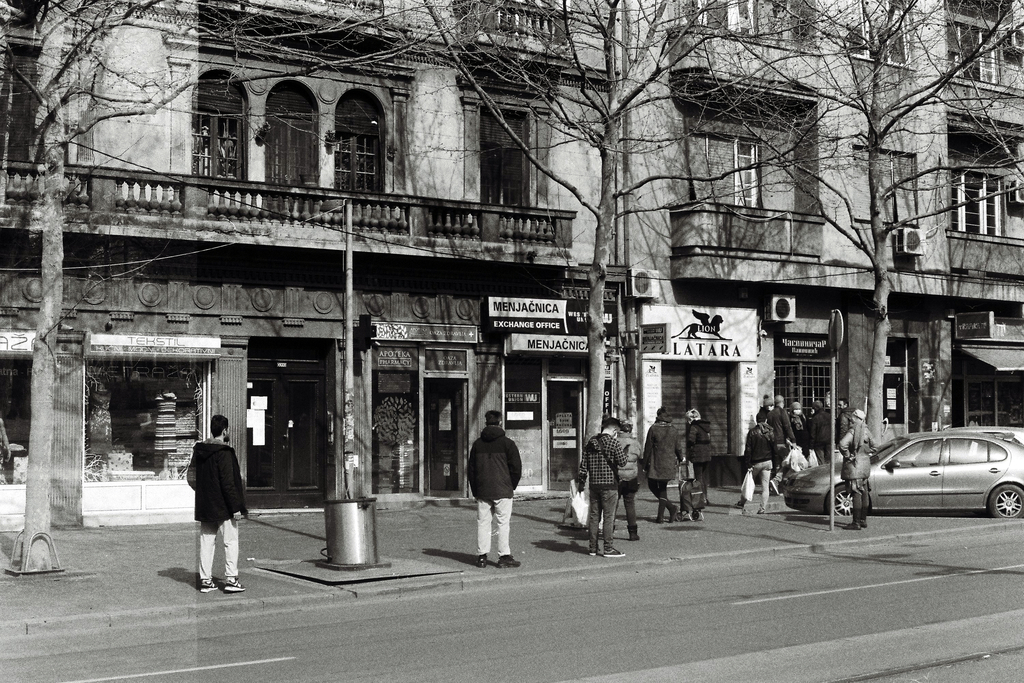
x,y
757,462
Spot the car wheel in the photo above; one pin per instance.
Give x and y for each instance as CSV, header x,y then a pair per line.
x,y
843,503
1006,502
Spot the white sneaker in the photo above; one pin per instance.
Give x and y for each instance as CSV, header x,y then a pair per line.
x,y
231,585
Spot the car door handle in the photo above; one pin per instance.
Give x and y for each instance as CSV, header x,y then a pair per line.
x,y
933,473
994,470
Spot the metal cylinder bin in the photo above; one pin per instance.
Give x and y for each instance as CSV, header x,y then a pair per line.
x,y
352,533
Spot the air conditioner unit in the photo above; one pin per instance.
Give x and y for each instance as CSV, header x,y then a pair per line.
x,y
644,284
910,242
1015,191
780,309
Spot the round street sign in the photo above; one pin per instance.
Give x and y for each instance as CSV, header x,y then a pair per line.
x,y
836,332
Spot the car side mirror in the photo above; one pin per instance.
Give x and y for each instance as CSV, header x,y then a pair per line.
x,y
893,464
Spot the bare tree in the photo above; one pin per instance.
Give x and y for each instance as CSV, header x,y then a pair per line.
x,y
78,81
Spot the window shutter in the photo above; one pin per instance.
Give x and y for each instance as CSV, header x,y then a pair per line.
x,y
358,114
216,95
502,163
21,131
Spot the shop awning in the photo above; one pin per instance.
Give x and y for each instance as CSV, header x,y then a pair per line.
x,y
1002,359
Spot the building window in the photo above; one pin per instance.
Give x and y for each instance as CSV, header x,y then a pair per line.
x,y
503,165
882,31
15,410
23,106
142,418
977,202
964,42
217,128
357,160
734,166
292,143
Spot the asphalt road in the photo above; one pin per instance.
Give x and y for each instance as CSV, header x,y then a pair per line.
x,y
885,611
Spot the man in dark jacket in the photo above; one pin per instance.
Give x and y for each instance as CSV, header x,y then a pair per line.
x,y
602,457
821,432
783,438
219,495
494,471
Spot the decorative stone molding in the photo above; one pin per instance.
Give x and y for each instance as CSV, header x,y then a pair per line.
x,y
122,316
294,322
179,318
150,294
231,320
204,297
262,299
33,290
323,302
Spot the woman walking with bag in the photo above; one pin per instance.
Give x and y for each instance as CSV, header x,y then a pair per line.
x,y
663,451
698,439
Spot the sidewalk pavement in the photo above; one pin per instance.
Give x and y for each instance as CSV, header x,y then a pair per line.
x,y
119,576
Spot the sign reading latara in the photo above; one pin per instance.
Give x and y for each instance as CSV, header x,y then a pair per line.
x,y
711,334
538,316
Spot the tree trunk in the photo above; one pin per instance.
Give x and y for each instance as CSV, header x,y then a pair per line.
x,y
48,219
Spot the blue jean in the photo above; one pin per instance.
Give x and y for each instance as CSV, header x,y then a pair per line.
x,y
602,501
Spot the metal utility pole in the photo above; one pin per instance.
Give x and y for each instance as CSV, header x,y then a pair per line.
x,y
836,334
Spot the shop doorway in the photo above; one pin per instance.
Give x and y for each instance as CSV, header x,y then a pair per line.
x,y
446,447
565,411
286,427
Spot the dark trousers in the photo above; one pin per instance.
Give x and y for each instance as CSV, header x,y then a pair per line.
x,y
859,492
700,473
602,502
627,491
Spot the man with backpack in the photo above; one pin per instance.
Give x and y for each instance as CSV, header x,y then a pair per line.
x,y
602,457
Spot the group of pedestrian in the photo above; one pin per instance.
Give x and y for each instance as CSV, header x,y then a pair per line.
x,y
609,469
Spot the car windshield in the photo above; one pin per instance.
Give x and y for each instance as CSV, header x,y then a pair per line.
x,y
888,448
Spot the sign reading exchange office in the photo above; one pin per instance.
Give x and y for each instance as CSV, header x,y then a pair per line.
x,y
534,316
704,333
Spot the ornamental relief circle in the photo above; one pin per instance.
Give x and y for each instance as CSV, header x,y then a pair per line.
x,y
33,290
94,292
421,307
262,299
374,304
204,297
464,309
323,302
150,294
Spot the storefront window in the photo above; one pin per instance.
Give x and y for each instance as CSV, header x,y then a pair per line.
x,y
396,463
142,418
15,406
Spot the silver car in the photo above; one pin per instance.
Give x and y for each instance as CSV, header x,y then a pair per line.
x,y
966,468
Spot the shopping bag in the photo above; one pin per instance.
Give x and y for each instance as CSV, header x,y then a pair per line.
x,y
812,460
580,501
747,489
692,495
796,460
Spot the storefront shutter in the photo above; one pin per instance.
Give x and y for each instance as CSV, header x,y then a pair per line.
x,y
216,95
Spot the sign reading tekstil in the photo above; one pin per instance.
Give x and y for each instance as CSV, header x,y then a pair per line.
x,y
534,316
153,344
711,334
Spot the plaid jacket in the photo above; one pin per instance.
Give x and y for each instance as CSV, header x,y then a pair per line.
x,y
595,469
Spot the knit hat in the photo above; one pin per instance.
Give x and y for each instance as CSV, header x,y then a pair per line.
x,y
626,426
859,413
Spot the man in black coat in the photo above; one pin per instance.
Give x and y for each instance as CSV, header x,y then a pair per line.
x,y
494,471
783,437
219,495
821,432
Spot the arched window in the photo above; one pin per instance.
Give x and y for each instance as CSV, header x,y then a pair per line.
x,y
291,140
218,128
357,161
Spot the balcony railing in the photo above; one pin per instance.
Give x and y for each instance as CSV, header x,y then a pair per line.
x,y
117,196
733,230
985,255
528,20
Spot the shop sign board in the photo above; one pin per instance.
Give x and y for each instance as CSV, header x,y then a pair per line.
x,y
654,338
536,316
425,333
704,333
977,325
578,311
802,346
445,360
394,358
153,345
651,389
16,341
542,344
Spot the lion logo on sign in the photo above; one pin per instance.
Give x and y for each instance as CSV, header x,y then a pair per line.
x,y
706,327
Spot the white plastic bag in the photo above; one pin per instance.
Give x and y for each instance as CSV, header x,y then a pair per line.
x,y
580,501
747,490
812,460
795,461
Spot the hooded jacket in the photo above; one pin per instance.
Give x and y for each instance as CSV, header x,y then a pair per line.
x,y
494,465
663,450
219,490
698,438
759,445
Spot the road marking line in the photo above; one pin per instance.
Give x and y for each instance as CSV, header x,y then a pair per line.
x,y
875,585
182,671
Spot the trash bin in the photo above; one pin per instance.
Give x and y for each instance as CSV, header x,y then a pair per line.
x,y
352,534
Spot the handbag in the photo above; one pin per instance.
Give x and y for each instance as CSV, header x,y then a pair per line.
x,y
747,489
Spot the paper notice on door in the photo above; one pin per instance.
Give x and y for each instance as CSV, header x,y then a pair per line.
x,y
254,420
258,402
444,417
